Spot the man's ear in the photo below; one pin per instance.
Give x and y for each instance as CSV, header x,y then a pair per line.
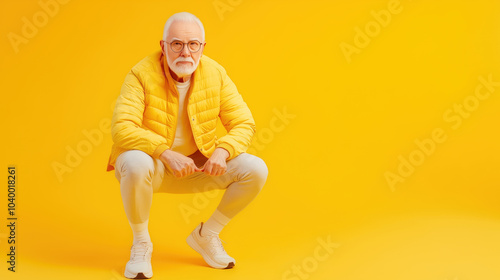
x,y
162,45
203,49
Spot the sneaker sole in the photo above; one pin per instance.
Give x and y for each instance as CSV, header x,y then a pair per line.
x,y
193,244
139,275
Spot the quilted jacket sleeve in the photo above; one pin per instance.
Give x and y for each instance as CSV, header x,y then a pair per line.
x,y
126,125
236,118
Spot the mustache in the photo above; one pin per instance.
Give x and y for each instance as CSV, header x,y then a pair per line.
x,y
179,59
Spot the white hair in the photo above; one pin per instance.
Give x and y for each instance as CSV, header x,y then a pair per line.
x,y
184,17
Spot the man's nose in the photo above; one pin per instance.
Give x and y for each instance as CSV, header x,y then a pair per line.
x,y
185,51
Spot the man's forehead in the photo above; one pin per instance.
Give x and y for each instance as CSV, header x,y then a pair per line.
x,y
185,30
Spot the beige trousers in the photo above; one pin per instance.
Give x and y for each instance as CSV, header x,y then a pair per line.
x,y
140,176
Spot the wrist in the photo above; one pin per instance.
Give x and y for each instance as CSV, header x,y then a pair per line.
x,y
159,150
226,147
166,153
222,152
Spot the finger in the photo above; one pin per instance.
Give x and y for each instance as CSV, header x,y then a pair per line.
x,y
218,172
191,168
202,169
213,172
222,171
195,168
198,169
184,172
215,169
208,169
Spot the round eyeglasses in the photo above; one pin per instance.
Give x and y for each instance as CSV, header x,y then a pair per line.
x,y
177,46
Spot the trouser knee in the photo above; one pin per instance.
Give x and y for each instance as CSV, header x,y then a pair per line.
x,y
136,166
256,171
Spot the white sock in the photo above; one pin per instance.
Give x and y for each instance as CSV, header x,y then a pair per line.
x,y
141,232
215,223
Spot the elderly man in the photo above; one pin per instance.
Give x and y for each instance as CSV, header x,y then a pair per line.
x,y
163,130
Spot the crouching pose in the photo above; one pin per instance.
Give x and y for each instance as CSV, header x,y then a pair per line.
x,y
163,130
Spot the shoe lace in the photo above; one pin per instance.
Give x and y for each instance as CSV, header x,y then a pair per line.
x,y
216,245
140,251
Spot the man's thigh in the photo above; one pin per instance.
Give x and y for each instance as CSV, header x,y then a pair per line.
x,y
201,182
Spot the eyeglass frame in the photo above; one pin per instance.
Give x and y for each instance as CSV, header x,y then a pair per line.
x,y
183,45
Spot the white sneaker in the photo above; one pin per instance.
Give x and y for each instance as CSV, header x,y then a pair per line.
x,y
139,265
210,248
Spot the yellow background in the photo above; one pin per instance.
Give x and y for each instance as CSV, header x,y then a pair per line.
x,y
327,164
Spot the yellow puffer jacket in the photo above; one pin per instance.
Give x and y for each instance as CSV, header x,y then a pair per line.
x,y
145,115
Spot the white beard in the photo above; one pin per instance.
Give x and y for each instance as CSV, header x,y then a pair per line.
x,y
183,70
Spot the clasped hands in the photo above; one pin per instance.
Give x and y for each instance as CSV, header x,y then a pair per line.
x,y
182,165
